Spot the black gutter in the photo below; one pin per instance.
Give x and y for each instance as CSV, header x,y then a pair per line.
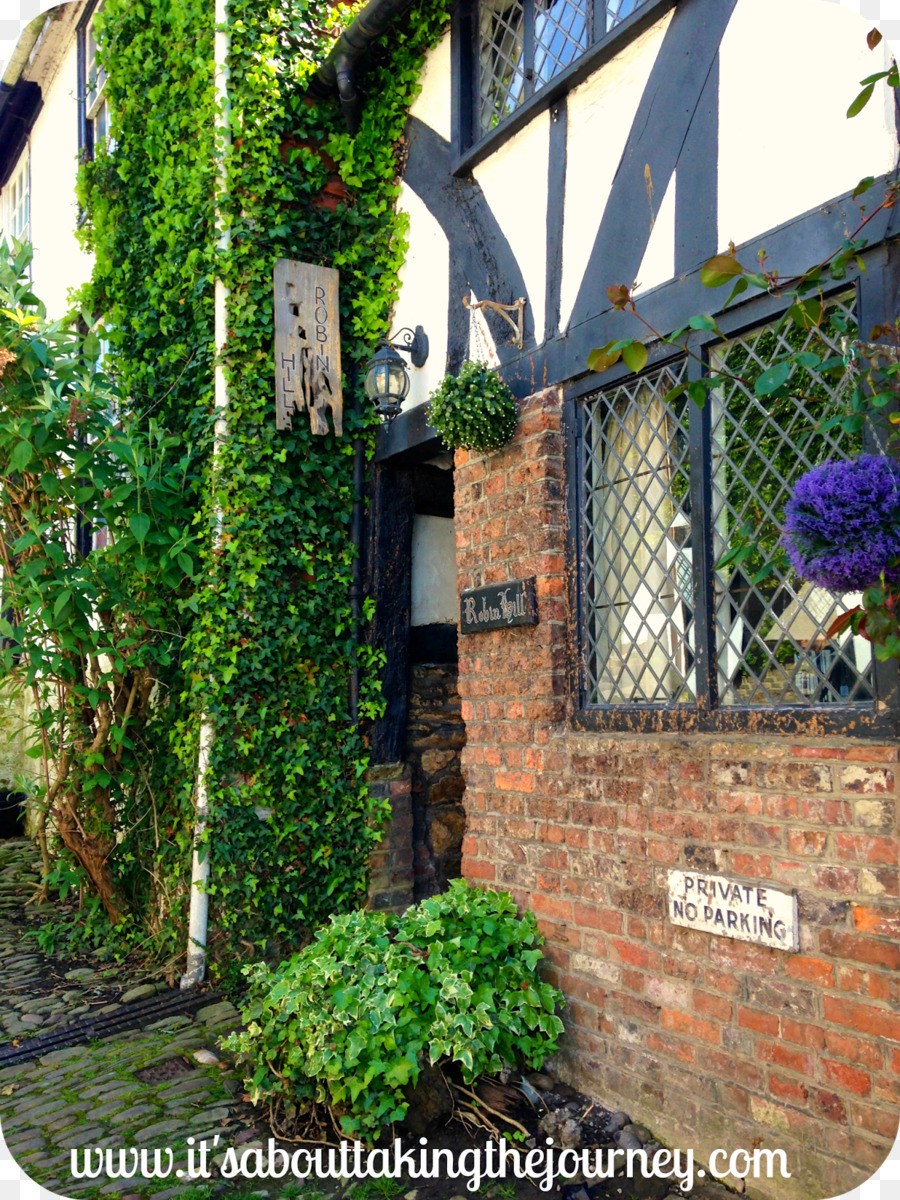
x,y
338,71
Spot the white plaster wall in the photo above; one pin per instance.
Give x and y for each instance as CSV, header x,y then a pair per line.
x,y
59,261
434,599
601,112
432,105
514,182
424,283
658,263
789,70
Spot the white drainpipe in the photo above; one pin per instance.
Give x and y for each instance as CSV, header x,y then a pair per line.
x,y
199,914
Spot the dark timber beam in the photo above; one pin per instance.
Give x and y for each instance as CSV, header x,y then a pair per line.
x,y
391,511
409,437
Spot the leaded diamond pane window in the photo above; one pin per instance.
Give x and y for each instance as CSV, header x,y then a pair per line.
x,y
680,515
560,36
637,560
501,63
771,629
524,44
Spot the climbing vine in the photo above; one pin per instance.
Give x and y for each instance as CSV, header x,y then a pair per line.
x,y
269,646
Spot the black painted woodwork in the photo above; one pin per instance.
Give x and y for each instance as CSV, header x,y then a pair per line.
x,y
556,191
676,126
658,132
697,181
481,259
408,438
391,511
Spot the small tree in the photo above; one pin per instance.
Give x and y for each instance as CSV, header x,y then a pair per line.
x,y
95,554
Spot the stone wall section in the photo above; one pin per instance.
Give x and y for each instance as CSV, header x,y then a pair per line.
x,y
391,863
710,1041
434,738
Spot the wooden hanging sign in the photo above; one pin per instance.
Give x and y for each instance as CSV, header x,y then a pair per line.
x,y
307,345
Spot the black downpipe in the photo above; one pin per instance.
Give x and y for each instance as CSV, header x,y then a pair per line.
x,y
338,69
356,528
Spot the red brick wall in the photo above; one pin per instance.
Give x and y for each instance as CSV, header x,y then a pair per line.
x,y
710,1041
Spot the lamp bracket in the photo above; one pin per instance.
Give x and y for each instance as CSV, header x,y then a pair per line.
x,y
414,343
518,326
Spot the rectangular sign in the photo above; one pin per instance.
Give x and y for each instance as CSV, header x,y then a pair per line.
x,y
307,345
746,911
499,606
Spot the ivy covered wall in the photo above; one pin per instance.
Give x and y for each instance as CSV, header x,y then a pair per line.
x,y
268,644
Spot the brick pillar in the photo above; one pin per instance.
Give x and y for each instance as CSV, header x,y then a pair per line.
x,y
391,864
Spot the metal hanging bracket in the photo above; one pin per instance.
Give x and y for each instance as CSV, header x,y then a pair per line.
x,y
518,327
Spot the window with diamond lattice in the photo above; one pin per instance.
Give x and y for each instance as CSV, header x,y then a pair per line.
x,y
637,564
674,499
524,44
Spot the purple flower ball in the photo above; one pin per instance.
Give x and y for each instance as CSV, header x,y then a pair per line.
x,y
842,524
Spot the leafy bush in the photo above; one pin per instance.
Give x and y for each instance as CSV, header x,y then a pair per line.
x,y
474,410
350,1020
97,561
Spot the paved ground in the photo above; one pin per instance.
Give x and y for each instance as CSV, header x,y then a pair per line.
x,y
143,1088
167,1087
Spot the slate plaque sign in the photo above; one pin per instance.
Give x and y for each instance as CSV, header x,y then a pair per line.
x,y
732,908
307,345
499,606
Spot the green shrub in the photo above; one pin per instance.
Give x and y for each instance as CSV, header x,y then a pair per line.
x,y
473,410
349,1021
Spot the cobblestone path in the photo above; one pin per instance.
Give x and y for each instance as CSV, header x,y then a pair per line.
x,y
148,1088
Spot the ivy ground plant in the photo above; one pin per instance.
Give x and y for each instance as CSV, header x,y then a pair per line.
x,y
337,1036
94,551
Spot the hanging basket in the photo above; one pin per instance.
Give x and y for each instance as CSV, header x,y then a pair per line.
x,y
473,410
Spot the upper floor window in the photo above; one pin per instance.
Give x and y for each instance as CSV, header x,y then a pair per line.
x,y
95,129
524,44
686,597
17,202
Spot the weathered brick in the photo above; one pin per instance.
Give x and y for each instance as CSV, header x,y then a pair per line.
x,y
760,1022
866,779
860,948
881,922
813,970
847,1079
680,1022
784,1056
875,1120
868,1054
859,848
792,1091
865,1018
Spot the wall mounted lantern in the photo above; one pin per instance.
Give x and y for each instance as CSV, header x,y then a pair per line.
x,y
387,382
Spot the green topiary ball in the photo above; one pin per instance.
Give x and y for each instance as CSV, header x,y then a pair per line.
x,y
474,410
